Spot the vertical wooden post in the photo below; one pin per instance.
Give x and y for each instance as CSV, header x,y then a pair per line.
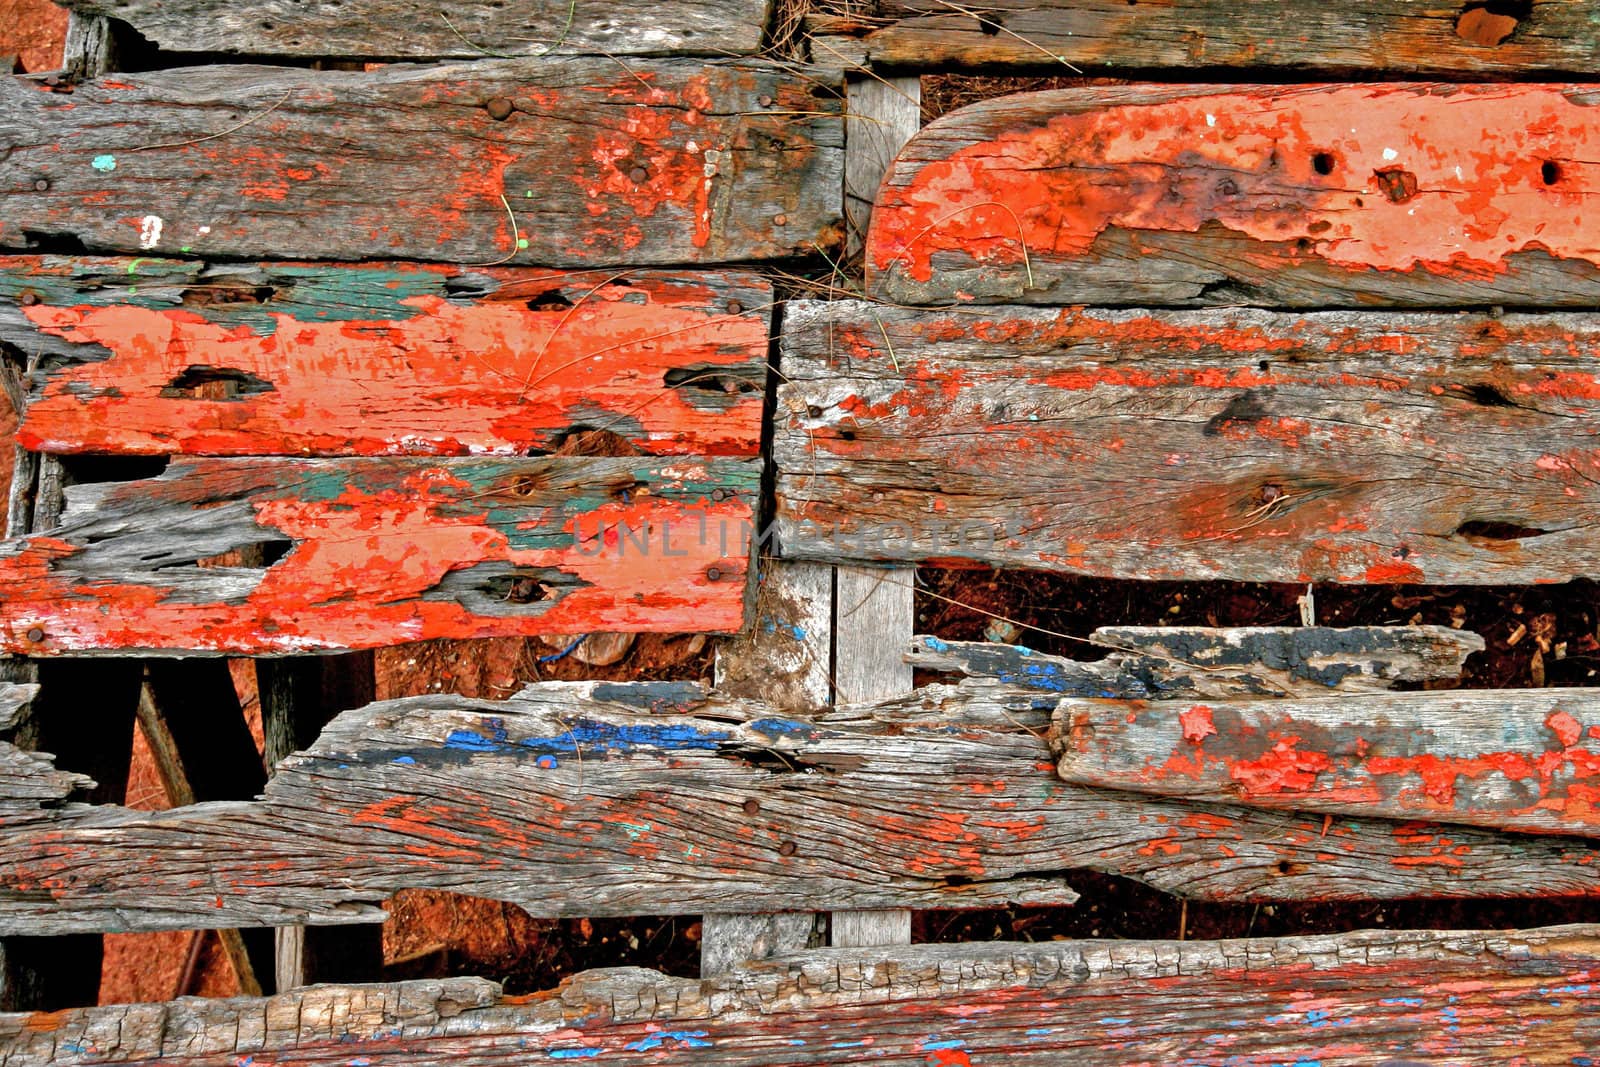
x,y
299,696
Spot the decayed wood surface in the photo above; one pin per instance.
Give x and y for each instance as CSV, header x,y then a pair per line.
x,y
612,799
387,28
1190,661
379,551
1524,760
1299,196
1398,36
1236,444
1459,998
598,162
14,698
177,356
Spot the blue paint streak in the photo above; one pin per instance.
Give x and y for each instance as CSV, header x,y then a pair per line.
x,y
686,1038
402,759
1112,1020
783,728
573,1053
546,762
1041,1031
936,645
598,737
1317,1018
956,1043
1410,1002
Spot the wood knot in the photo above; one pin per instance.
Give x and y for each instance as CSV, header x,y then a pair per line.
x,y
1398,184
1491,23
499,108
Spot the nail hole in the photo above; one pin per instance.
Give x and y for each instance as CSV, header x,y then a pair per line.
x,y
549,300
1550,171
1498,531
1488,395
786,849
1322,163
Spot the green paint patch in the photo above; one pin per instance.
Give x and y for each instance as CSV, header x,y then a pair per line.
x,y
105,164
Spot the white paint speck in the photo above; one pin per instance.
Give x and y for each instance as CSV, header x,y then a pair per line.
x,y
691,147
202,231
1211,120
1391,154
150,231
1458,174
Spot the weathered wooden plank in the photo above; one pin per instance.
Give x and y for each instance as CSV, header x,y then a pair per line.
x,y
29,780
1303,196
14,699
384,29
177,356
1192,661
1239,444
561,162
1462,998
1513,759
609,799
376,551
1397,36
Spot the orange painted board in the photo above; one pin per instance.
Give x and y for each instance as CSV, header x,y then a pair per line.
x,y
360,553
180,357
1299,195
1524,760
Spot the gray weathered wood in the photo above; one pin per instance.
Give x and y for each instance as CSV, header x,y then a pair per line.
x,y
1304,196
881,115
1459,998
14,700
30,780
1511,759
670,161
1369,36
730,940
90,49
873,806
784,656
381,29
1237,444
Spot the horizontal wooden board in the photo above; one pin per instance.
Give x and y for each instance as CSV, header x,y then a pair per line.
x,y
369,552
1300,196
175,356
1525,760
1462,998
1235,444
378,29
1194,661
597,161
1356,36
595,798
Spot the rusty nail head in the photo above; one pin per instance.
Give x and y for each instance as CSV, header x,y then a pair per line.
x,y
713,573
29,299
719,494
764,100
735,308
42,184
786,849
638,174
36,635
780,220
499,108
751,807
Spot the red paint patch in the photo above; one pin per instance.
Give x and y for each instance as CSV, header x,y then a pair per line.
x,y
1196,723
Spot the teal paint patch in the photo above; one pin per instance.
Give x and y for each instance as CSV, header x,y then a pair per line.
x,y
105,164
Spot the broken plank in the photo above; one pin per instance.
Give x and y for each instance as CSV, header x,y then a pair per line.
x,y
178,356
1235,444
1331,999
14,700
30,780
1403,194
1524,760
1356,36
370,552
387,29
943,798
560,162
1191,661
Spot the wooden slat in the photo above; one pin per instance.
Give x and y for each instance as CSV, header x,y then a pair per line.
x,y
1296,195
1399,36
175,356
378,29
1236,444
1460,998
1513,759
381,551
600,162
593,799
14,699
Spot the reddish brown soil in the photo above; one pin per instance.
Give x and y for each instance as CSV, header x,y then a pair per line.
x,y
33,30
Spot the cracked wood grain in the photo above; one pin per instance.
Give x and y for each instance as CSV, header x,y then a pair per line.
x,y
599,798
368,552
1303,196
658,162
1508,759
1239,444
386,29
166,356
1462,998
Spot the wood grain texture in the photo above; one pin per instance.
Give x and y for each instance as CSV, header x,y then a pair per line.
x,y
1459,998
1234,444
1357,36
14,700
369,552
784,657
1302,196
1160,662
660,162
1525,760
594,799
882,114
380,29
177,356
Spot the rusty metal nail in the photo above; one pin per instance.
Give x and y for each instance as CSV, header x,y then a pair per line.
x,y
751,807
638,175
1269,493
499,108
719,494
713,573
29,299
764,100
780,220
36,635
735,308
42,184
786,849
